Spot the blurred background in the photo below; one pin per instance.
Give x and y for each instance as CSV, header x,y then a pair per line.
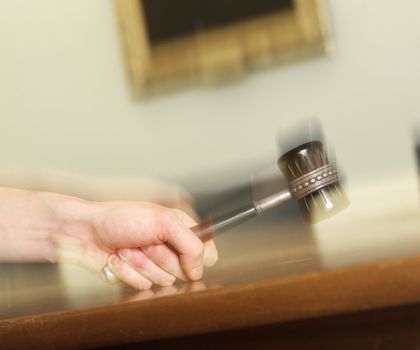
x,y
66,100
69,104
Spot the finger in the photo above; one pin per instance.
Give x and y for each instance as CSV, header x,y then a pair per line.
x,y
211,254
145,267
184,217
210,251
127,274
185,242
166,259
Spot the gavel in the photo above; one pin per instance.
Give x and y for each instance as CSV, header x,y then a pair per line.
x,y
313,182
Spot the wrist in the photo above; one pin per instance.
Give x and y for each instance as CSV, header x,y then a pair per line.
x,y
29,222
72,222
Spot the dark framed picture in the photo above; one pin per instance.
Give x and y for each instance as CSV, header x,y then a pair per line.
x,y
177,42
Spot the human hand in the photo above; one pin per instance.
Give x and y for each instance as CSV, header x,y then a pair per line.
x,y
143,244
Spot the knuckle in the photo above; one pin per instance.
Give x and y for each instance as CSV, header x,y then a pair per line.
x,y
157,254
139,261
184,217
149,250
160,214
179,213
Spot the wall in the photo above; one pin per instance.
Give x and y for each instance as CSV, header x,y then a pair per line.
x,y
65,100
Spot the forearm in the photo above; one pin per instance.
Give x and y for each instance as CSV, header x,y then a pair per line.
x,y
32,224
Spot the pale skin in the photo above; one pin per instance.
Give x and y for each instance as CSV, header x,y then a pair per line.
x,y
145,244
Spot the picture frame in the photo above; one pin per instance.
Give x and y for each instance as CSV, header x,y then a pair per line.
x,y
219,52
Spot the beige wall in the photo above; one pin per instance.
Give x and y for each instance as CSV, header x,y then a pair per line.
x,y
65,100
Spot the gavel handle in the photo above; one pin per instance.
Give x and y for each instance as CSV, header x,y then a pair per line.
x,y
210,227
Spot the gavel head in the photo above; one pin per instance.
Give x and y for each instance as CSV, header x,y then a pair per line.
x,y
313,181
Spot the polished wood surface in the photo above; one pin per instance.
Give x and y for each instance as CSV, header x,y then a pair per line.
x,y
244,257
266,275
385,329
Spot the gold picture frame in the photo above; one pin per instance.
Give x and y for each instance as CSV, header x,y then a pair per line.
x,y
224,51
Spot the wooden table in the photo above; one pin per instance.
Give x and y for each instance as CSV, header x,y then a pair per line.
x,y
270,287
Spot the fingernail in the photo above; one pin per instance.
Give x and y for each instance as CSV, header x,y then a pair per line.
x,y
197,273
124,253
112,260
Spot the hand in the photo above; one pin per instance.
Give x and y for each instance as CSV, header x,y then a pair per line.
x,y
151,244
143,242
